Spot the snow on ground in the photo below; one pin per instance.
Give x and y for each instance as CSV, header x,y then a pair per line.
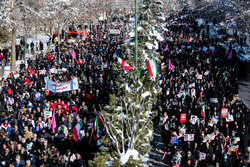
x,y
125,157
35,38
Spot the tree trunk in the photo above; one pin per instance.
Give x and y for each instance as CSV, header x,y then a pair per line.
x,y
58,37
25,41
50,43
13,49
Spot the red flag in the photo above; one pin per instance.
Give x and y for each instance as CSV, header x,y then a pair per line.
x,y
9,91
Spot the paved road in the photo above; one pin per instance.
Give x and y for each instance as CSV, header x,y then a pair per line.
x,y
244,91
156,153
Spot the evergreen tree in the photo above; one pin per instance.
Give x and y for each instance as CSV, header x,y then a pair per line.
x,y
128,118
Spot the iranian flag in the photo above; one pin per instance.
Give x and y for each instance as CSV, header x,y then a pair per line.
x,y
152,67
190,39
76,131
96,127
123,64
203,110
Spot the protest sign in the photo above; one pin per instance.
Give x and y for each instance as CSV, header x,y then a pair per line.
x,y
199,76
182,131
229,118
211,48
114,31
42,72
205,49
175,141
62,87
183,117
213,100
47,114
38,96
193,119
202,155
209,137
189,137
224,112
207,72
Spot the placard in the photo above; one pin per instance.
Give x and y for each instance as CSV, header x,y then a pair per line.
x,y
48,114
202,155
230,118
189,137
213,100
199,76
183,117
114,31
193,119
224,112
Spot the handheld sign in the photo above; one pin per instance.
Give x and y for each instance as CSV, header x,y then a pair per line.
x,y
189,137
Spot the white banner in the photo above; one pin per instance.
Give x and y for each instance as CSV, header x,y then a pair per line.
x,y
62,87
114,31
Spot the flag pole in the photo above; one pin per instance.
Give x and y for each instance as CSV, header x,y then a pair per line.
x,y
136,35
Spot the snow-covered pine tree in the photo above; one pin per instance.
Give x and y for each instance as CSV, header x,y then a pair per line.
x,y
128,118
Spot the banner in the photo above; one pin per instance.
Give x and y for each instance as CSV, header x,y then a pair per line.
x,y
183,117
224,112
62,87
56,71
114,31
189,137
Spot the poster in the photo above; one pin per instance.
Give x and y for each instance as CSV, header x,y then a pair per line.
x,y
193,119
230,118
189,137
224,112
213,100
183,117
202,155
47,114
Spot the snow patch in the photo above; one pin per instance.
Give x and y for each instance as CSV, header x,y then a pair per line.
x,y
119,108
131,34
149,45
145,94
125,157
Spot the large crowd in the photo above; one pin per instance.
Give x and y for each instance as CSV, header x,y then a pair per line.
x,y
201,71
204,123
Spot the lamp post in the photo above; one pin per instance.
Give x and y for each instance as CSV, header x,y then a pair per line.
x,y
136,35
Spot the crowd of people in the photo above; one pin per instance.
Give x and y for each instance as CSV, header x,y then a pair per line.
x,y
27,108
201,71
203,121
